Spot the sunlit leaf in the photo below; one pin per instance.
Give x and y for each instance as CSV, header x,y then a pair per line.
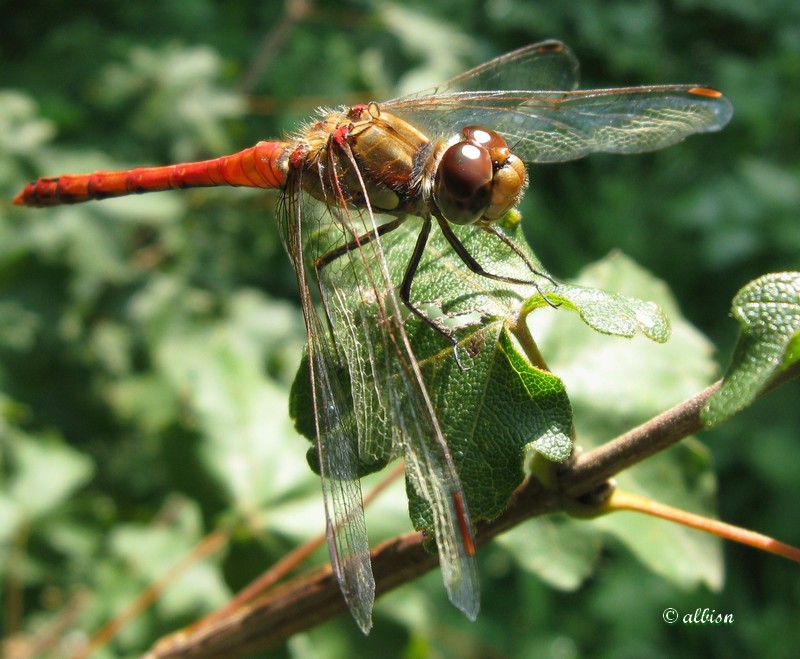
x,y
768,312
46,472
559,550
612,313
613,382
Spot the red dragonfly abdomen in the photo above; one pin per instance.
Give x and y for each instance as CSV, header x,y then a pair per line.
x,y
264,165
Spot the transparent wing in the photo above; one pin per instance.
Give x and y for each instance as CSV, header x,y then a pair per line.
x,y
559,126
518,95
391,407
336,436
546,65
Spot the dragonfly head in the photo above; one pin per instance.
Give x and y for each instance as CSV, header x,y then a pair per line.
x,y
478,178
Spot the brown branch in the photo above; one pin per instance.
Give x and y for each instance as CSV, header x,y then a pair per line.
x,y
314,597
592,469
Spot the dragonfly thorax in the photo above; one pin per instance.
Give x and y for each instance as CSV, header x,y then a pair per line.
x,y
364,156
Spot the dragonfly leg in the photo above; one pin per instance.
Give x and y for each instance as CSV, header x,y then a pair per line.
x,y
478,269
356,243
405,289
516,249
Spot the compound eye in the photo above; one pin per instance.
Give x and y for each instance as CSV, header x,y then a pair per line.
x,y
463,185
484,137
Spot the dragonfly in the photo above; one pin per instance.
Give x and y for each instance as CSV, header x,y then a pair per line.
x,y
449,156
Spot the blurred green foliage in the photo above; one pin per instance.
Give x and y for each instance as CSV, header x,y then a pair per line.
x,y
147,345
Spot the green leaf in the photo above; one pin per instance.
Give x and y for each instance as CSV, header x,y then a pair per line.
x,y
768,312
560,550
552,415
492,415
493,412
45,473
610,313
504,405
612,383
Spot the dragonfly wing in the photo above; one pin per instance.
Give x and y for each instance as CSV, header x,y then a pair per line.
x,y
391,404
429,466
432,474
546,65
558,126
632,120
346,528
336,436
